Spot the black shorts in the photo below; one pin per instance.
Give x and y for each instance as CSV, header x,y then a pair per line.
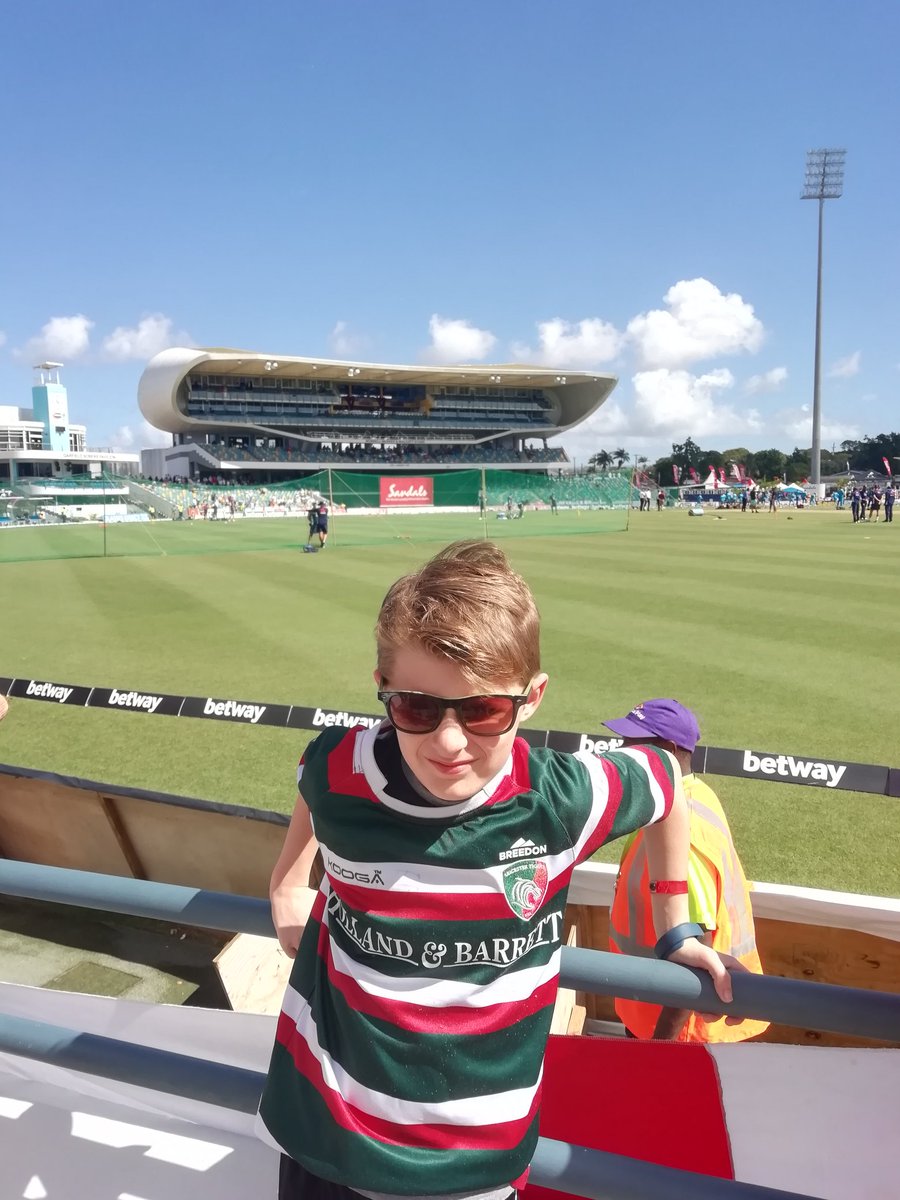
x,y
321,526
296,1183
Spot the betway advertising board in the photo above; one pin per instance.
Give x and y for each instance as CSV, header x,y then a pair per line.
x,y
402,491
832,774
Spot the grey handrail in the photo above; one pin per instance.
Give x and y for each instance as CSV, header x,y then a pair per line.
x,y
826,1007
594,1174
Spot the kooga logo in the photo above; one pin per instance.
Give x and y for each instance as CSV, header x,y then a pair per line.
x,y
789,767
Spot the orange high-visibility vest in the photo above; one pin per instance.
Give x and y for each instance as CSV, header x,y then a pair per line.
x,y
631,928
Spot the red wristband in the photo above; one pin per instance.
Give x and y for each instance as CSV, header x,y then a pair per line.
x,y
669,887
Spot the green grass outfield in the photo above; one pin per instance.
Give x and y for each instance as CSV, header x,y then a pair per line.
x,y
783,635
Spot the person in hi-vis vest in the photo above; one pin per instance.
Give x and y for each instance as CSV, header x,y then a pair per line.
x,y
717,890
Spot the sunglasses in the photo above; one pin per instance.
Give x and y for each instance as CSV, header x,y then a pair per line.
x,y
417,712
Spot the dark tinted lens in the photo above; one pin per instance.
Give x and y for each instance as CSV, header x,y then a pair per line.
x,y
413,713
487,714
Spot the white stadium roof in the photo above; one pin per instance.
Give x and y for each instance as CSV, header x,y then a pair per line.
x,y
578,393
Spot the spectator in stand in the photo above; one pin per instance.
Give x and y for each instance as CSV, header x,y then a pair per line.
x,y
716,888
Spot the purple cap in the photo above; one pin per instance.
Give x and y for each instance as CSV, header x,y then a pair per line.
x,y
662,719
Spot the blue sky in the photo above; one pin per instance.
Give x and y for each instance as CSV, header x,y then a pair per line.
x,y
610,186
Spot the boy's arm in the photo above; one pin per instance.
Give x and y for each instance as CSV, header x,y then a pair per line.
x,y
290,891
668,843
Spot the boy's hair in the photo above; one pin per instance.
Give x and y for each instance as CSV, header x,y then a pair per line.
x,y
467,605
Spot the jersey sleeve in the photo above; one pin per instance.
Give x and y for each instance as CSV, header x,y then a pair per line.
x,y
599,798
310,757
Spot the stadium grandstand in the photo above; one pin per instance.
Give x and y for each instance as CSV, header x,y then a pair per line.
x,y
238,414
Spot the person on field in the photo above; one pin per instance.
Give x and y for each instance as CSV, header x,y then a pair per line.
x,y
322,523
409,1050
660,500
714,885
854,504
889,497
312,519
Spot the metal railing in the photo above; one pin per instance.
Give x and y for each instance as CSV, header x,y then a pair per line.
x,y
592,1174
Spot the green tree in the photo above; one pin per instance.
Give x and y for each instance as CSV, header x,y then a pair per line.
x,y
621,456
769,464
602,460
686,454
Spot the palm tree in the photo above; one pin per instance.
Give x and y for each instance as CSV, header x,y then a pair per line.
x,y
621,457
602,459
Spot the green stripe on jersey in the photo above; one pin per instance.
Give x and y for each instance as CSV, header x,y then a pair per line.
x,y
427,1067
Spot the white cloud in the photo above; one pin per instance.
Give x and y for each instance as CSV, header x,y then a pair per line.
x,y
344,342
152,334
797,424
582,344
457,341
699,322
63,338
769,381
610,423
681,404
845,368
141,437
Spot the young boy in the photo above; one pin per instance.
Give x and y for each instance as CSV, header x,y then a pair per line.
x,y
409,1050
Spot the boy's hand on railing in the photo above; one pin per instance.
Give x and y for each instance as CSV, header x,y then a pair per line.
x,y
291,907
693,953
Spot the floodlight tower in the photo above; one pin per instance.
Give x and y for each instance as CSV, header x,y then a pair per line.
x,y
824,181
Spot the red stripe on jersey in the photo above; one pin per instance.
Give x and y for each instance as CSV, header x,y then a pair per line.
x,y
505,1135
614,799
433,906
341,776
422,1018
519,778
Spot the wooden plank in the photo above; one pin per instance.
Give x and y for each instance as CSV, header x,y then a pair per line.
x,y
254,972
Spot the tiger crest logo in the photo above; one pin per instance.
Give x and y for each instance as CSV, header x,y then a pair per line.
x,y
525,885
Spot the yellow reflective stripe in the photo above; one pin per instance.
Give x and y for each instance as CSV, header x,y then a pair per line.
x,y
703,895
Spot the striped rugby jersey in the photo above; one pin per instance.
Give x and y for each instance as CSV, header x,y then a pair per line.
x,y
409,1050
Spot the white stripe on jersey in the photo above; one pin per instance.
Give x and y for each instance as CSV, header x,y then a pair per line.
x,y
495,1109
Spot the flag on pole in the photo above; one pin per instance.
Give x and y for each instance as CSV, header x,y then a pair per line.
x,y
676,474
694,475
722,475
735,471
887,468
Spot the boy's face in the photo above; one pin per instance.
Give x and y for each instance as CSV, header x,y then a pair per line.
x,y
452,763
